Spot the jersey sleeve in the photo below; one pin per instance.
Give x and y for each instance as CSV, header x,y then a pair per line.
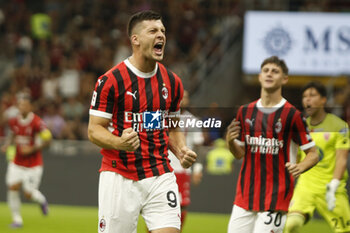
x,y
103,98
40,124
179,91
343,141
301,134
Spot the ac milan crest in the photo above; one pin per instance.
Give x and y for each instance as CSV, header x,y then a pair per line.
x,y
102,225
165,93
278,126
326,136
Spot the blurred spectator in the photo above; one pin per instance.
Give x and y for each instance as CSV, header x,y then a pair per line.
x,y
50,86
54,120
219,159
41,26
73,112
68,81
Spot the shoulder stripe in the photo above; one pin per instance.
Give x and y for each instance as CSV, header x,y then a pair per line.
x,y
100,113
101,83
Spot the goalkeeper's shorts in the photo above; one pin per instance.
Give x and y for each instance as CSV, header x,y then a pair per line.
x,y
306,202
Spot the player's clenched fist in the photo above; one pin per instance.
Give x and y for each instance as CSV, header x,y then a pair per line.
x,y
188,157
233,131
129,140
293,169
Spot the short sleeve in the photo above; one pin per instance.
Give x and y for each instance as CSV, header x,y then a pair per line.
x,y
103,98
343,141
301,134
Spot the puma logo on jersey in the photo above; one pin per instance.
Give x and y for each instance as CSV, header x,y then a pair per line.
x,y
100,81
132,94
250,122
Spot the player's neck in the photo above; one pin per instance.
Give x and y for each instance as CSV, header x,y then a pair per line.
x,y
270,99
141,63
24,115
318,118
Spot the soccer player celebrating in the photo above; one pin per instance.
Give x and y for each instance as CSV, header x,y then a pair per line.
x,y
265,133
323,186
128,114
30,135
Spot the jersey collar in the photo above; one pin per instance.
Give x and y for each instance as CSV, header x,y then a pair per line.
x,y
270,109
27,120
140,73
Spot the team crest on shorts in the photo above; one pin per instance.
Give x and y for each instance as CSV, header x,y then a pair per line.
x,y
102,225
165,92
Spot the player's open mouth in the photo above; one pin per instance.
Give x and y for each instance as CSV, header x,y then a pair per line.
x,y
158,48
308,108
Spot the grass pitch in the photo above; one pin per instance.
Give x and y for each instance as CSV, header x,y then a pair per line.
x,y
74,219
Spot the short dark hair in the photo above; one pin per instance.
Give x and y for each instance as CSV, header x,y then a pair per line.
x,y
320,88
141,16
277,61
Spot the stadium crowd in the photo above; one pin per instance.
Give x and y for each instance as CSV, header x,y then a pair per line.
x,y
56,50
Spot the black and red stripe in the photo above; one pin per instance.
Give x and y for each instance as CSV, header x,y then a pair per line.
x,y
264,183
151,159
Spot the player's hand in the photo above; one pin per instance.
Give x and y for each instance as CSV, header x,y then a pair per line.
x,y
233,131
330,194
129,140
26,150
293,169
188,157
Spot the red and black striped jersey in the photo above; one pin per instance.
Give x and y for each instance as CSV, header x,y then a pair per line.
x,y
271,137
131,98
25,131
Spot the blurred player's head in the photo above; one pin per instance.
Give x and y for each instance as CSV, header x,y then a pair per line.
x,y
24,104
147,34
314,97
273,74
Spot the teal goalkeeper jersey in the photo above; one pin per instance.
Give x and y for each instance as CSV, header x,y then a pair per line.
x,y
330,135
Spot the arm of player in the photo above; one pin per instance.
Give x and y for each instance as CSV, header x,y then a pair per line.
x,y
8,141
310,160
232,134
45,137
178,146
340,167
340,163
100,135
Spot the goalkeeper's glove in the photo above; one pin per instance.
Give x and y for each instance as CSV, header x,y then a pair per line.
x,y
330,194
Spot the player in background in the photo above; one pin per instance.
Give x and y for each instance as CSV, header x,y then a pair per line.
x,y
128,108
265,133
324,186
30,135
194,138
